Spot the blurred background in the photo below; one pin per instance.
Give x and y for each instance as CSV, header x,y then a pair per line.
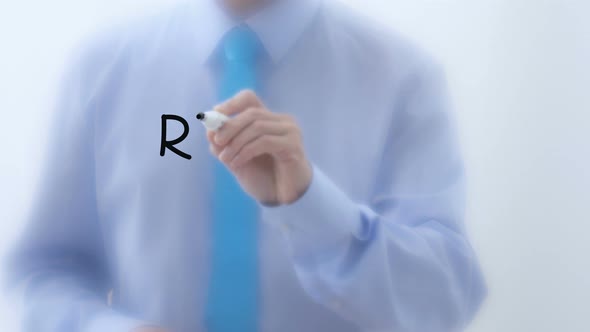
x,y
520,75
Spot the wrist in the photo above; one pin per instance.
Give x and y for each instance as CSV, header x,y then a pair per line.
x,y
301,183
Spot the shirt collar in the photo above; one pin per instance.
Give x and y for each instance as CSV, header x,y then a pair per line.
x,y
278,26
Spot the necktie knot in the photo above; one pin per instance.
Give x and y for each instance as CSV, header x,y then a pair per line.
x,y
241,49
241,45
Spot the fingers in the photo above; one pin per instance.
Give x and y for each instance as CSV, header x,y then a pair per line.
x,y
266,144
214,148
250,117
250,133
253,131
251,144
240,102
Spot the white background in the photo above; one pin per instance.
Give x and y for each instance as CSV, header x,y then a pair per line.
x,y
520,74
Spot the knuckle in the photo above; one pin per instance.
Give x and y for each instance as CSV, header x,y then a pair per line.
x,y
265,140
259,112
229,149
258,126
227,156
221,138
250,113
247,116
246,151
247,95
261,142
240,141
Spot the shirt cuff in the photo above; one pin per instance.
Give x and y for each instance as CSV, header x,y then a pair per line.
x,y
323,214
113,321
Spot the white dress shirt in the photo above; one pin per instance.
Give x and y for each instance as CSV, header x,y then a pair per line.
x,y
377,243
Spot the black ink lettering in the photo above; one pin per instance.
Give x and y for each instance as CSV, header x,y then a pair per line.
x,y
170,144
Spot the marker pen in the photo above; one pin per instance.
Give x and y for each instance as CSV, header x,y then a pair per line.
x,y
212,120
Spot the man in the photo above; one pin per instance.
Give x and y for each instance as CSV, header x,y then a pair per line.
x,y
331,200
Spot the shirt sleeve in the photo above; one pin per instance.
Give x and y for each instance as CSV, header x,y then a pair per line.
x,y
401,260
59,264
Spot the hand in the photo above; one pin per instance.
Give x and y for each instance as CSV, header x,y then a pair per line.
x,y
264,150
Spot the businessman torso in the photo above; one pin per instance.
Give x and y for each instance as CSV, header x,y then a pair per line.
x,y
372,112
338,81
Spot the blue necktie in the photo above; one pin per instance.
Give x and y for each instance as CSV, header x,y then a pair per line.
x,y
232,301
